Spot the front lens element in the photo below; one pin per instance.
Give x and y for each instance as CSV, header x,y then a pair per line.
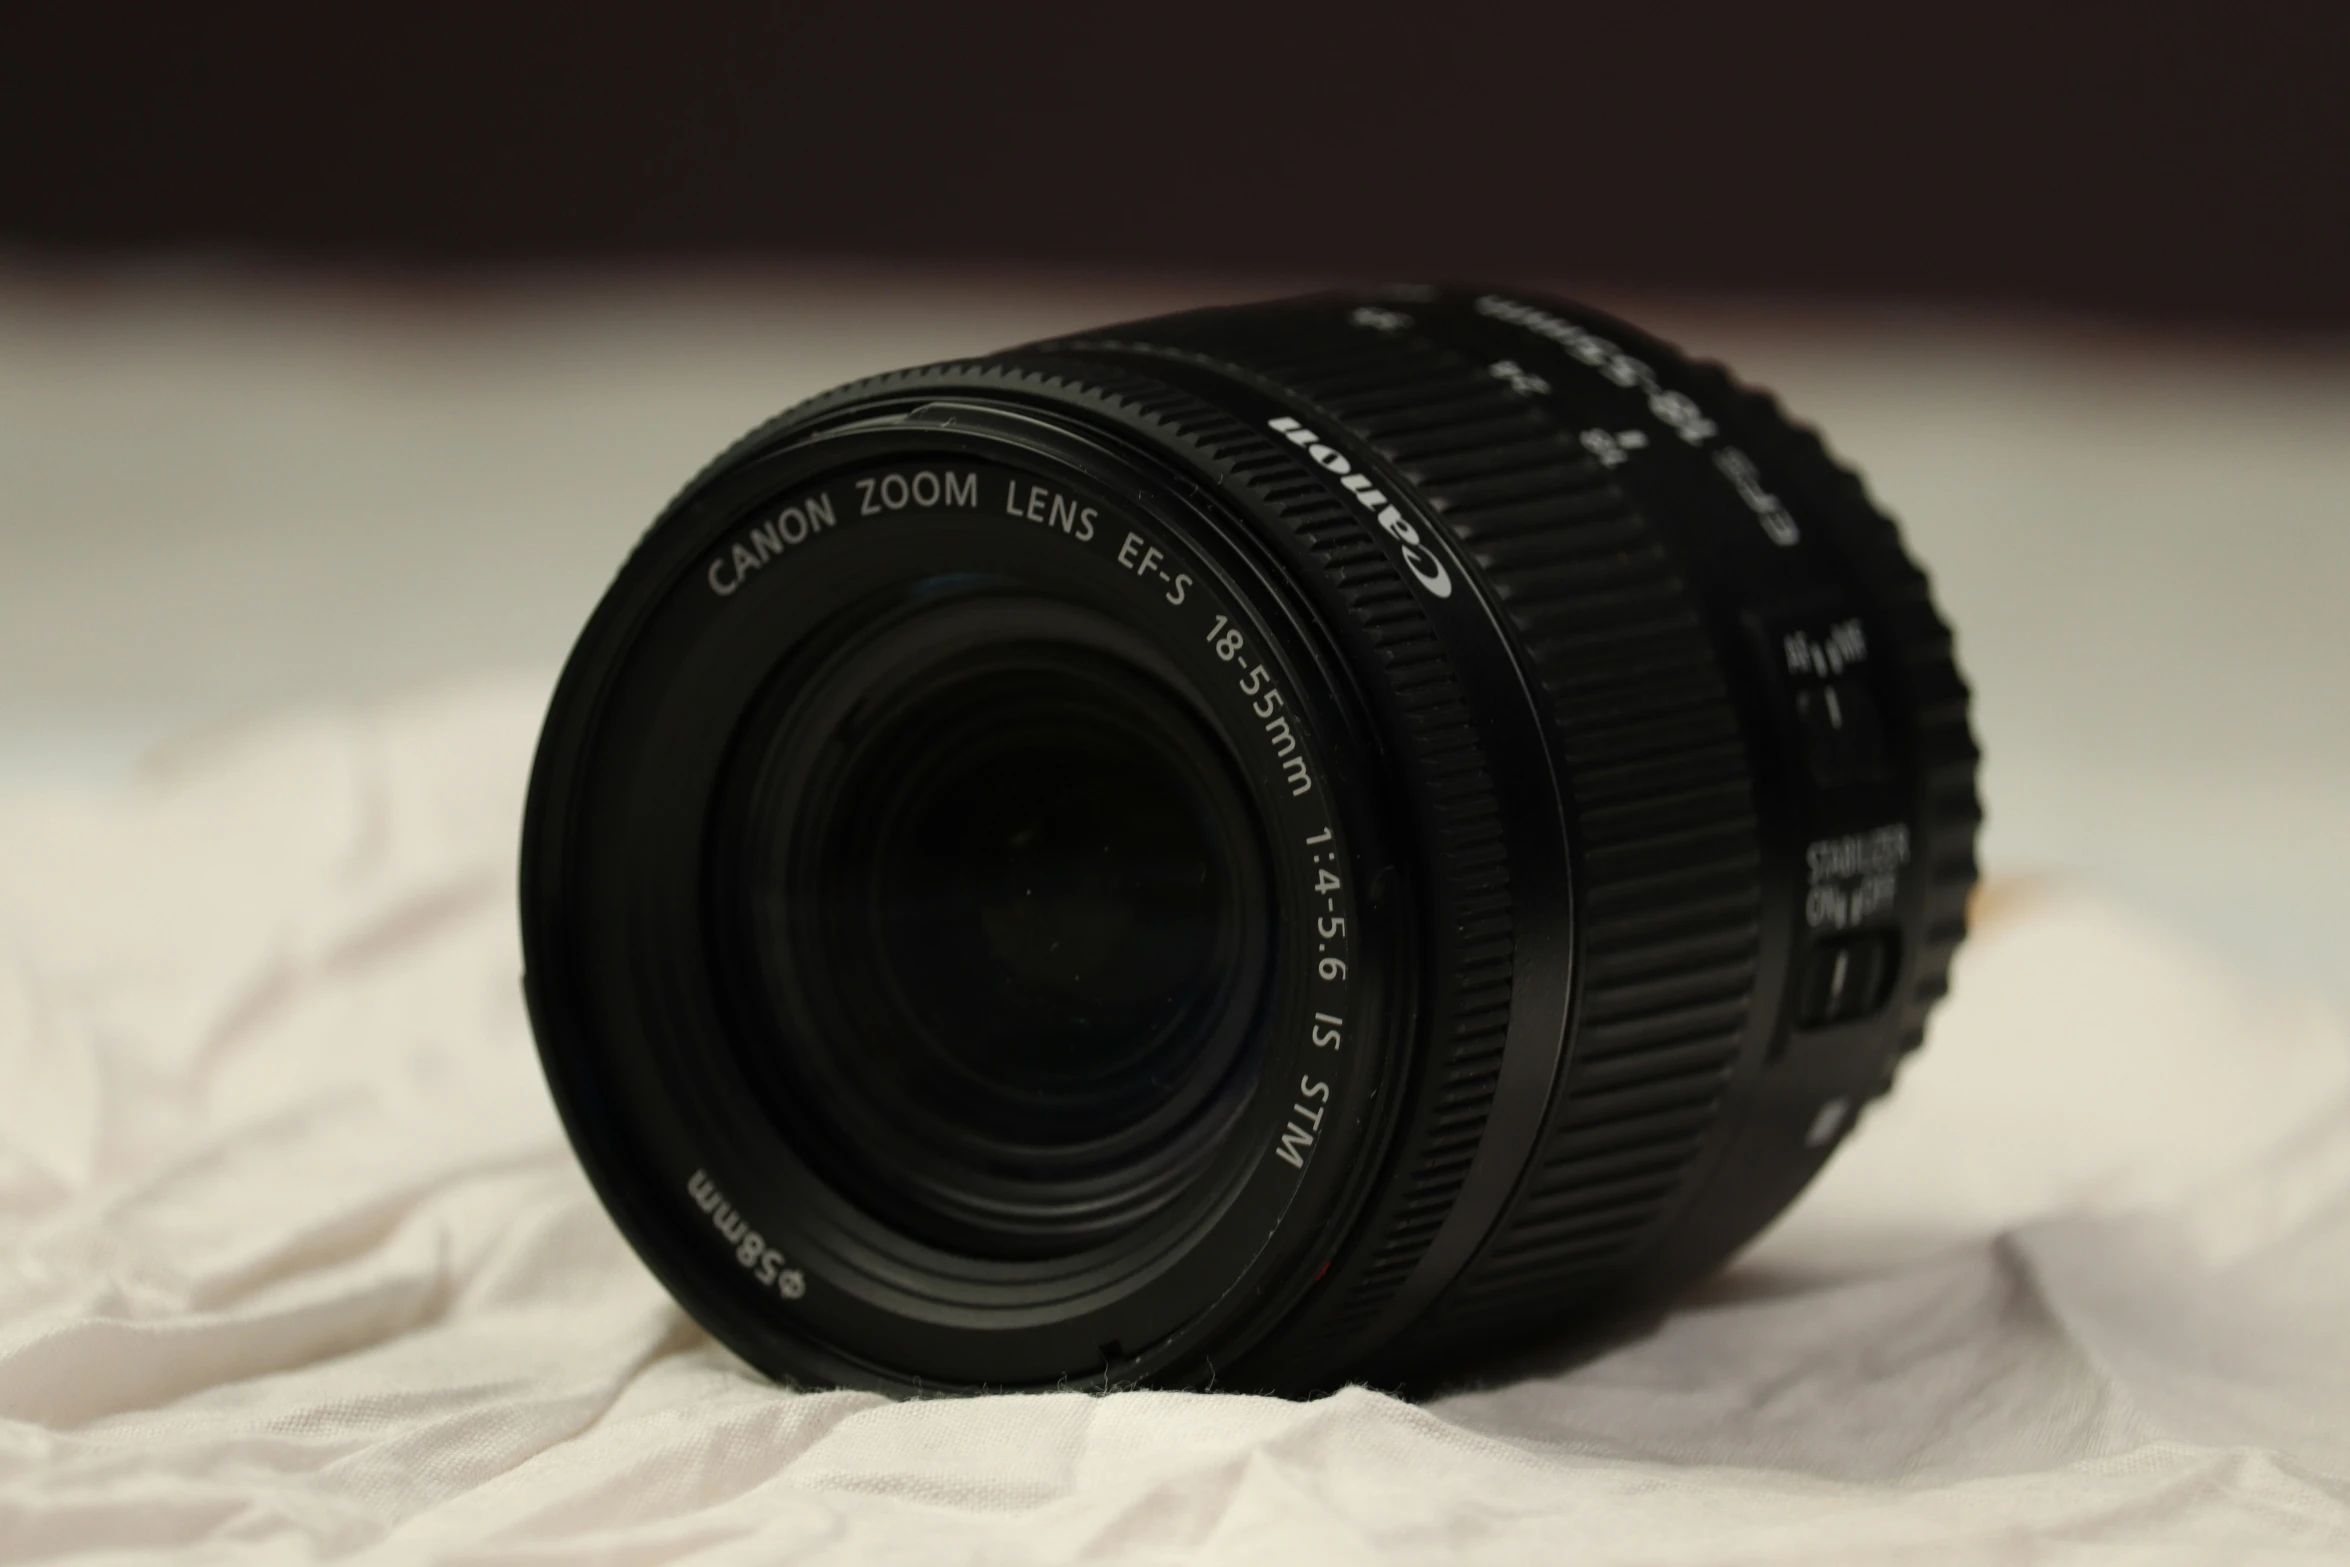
x,y
1009,926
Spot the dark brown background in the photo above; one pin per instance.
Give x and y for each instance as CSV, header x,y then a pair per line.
x,y
2178,162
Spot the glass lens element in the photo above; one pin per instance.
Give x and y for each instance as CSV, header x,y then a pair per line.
x,y
1010,914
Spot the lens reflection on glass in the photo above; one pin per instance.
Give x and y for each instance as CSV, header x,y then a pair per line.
x,y
1013,928
1045,904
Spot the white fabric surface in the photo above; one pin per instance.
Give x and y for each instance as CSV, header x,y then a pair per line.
x,y
297,1264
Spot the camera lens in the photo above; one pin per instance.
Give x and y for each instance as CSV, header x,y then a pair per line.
x,y
1259,847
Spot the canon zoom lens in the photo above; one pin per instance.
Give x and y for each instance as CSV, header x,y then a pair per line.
x,y
1257,848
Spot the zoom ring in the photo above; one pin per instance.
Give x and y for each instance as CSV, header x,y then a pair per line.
x,y
1661,817
1661,805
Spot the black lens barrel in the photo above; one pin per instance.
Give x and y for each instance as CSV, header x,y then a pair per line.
x,y
1610,758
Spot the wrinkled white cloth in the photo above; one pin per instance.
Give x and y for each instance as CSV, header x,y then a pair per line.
x,y
294,1263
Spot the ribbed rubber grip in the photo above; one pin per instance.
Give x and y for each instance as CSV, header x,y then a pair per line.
x,y
1661,804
